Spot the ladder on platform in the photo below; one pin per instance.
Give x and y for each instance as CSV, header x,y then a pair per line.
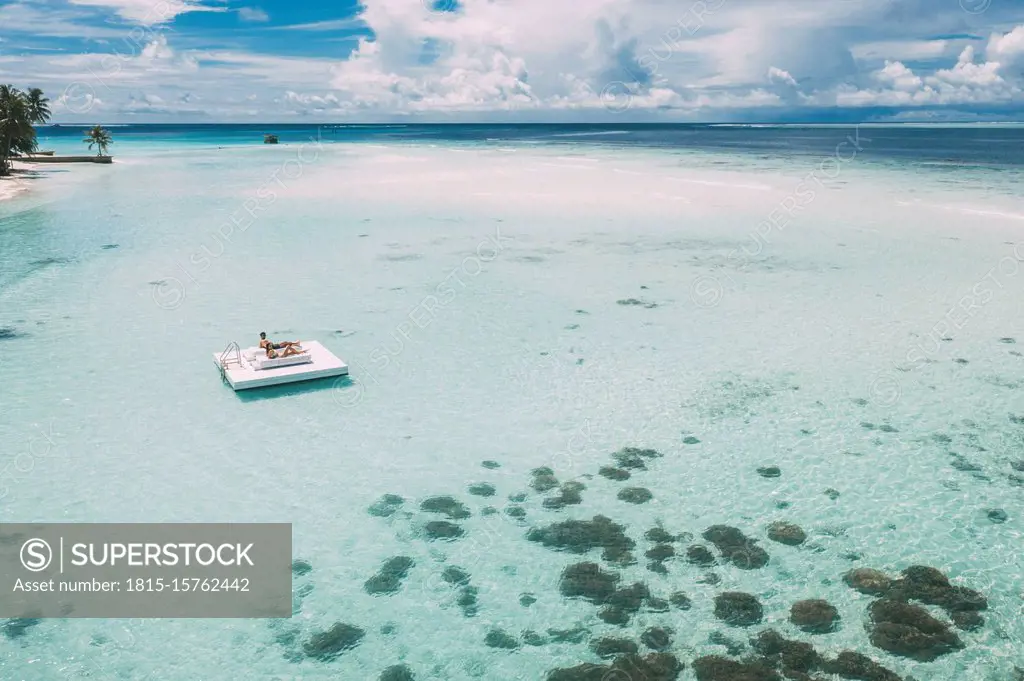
x,y
232,355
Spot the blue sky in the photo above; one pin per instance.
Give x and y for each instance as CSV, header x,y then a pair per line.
x,y
117,61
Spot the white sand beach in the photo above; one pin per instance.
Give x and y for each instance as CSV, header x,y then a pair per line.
x,y
18,182
11,187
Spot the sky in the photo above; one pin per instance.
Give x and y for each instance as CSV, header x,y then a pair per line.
x,y
194,61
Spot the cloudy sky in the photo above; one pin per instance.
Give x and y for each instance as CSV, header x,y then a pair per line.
x,y
117,61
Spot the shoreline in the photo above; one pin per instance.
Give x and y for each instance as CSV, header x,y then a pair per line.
x,y
11,187
16,184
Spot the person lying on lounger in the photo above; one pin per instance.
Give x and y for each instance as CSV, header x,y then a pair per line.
x,y
264,343
289,350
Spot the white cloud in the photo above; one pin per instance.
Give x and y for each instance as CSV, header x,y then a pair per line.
x,y
903,50
253,14
157,49
706,59
150,12
965,83
776,74
531,55
897,76
967,73
536,54
1006,48
311,103
471,80
21,17
754,99
152,104
75,100
330,25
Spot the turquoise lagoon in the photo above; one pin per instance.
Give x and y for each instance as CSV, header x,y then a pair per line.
x,y
852,319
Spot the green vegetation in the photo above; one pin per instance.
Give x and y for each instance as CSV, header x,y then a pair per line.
x,y
98,137
19,112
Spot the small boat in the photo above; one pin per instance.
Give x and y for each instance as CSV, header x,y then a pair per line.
x,y
41,153
251,368
270,139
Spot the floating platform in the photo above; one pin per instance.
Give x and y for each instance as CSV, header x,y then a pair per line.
x,y
250,368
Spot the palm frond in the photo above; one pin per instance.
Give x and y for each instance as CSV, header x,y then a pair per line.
x,y
98,137
17,114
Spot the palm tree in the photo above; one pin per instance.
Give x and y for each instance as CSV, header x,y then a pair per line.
x,y
100,138
38,106
17,136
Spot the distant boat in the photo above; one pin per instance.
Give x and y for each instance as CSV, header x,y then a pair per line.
x,y
270,139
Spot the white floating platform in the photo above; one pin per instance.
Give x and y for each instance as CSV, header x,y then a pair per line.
x,y
249,368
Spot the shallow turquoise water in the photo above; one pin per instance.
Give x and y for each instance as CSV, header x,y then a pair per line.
x,y
779,345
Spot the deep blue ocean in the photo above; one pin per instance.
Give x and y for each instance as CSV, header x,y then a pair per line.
x,y
990,146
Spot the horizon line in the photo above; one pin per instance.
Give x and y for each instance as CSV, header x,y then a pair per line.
x,y
524,123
